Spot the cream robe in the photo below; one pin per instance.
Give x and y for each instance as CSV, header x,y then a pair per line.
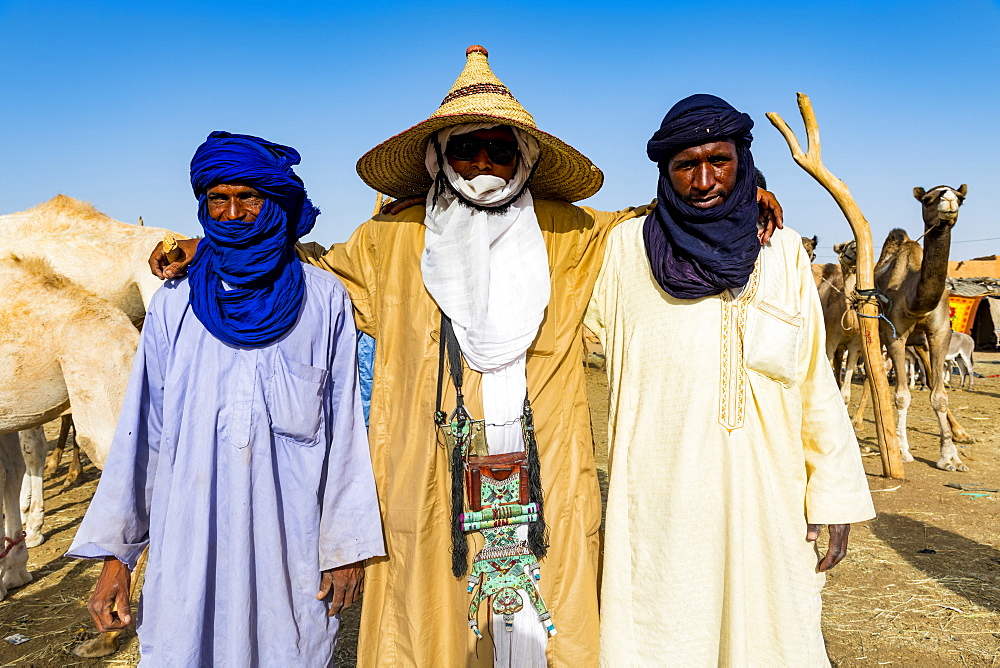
x,y
727,435
415,611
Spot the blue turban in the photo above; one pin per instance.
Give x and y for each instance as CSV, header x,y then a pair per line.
x,y
256,260
696,252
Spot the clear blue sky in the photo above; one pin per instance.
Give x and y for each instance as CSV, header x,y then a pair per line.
x,y
106,101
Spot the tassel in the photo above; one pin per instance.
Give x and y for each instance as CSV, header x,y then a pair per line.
x,y
537,539
459,548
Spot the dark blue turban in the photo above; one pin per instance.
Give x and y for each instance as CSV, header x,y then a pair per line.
x,y
702,252
256,260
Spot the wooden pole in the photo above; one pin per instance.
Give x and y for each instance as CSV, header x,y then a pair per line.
x,y
811,161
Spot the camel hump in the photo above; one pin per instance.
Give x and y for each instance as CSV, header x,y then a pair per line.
x,y
830,271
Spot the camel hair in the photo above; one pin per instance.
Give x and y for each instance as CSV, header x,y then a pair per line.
x,y
913,278
59,345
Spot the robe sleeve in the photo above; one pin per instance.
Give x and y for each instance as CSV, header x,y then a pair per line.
x,y
117,521
354,264
592,253
836,488
350,521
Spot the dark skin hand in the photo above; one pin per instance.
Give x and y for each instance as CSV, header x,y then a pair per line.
x,y
836,550
109,606
226,201
341,587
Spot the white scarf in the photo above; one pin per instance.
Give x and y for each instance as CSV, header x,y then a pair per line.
x,y
489,273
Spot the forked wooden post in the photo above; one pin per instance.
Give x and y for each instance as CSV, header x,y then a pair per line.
x,y
812,163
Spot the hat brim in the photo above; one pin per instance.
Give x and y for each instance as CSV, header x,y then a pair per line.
x,y
396,166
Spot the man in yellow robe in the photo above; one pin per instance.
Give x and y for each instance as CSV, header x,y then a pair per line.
x,y
401,271
729,443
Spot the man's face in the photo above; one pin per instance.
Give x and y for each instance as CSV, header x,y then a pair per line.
x,y
233,201
703,176
482,163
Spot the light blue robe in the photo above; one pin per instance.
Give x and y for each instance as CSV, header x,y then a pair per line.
x,y
247,472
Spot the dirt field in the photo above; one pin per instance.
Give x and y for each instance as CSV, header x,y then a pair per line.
x,y
920,587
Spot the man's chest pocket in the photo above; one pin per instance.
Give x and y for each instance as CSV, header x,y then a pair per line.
x,y
295,401
771,344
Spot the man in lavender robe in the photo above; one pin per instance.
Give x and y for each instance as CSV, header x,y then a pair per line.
x,y
241,456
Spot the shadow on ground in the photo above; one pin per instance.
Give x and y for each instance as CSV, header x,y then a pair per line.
x,y
964,566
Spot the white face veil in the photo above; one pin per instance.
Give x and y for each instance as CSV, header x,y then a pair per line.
x,y
489,273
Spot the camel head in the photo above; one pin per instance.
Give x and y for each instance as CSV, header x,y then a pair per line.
x,y
848,254
940,205
810,246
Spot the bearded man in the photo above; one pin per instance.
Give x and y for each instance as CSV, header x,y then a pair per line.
x,y
240,456
720,479
492,273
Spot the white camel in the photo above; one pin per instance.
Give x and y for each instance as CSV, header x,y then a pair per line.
x,y
960,350
59,344
98,254
104,256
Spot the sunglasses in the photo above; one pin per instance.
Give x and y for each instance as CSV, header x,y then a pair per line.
x,y
467,147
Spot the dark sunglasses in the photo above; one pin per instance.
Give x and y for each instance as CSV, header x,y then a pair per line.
x,y
467,147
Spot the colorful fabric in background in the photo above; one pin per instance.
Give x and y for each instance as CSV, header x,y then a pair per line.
x,y
695,252
962,312
246,283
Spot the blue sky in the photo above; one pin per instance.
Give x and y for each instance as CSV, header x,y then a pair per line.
x,y
106,101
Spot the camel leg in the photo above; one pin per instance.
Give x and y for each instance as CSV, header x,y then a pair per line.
x,y
52,463
859,415
75,467
5,443
837,360
897,353
33,447
15,564
853,353
938,344
958,432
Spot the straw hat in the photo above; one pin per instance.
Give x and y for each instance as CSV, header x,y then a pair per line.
x,y
396,166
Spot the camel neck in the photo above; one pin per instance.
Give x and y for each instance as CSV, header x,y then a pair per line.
x,y
933,269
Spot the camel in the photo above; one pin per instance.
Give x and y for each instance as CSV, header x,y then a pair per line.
x,y
843,336
810,246
55,456
913,278
960,349
58,344
98,254
104,256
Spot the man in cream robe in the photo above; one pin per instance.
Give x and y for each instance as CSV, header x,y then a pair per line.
x,y
728,437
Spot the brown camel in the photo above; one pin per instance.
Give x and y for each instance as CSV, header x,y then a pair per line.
x,y
810,246
835,283
914,280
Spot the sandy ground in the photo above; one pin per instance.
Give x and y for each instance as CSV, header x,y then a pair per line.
x,y
920,587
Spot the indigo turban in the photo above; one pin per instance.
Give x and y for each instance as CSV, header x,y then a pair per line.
x,y
256,260
696,252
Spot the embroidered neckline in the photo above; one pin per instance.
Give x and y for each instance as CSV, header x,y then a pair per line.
x,y
732,380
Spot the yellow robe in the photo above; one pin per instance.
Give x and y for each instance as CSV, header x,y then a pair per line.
x,y
727,435
415,611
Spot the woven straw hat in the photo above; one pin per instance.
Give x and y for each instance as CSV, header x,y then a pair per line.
x,y
396,166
